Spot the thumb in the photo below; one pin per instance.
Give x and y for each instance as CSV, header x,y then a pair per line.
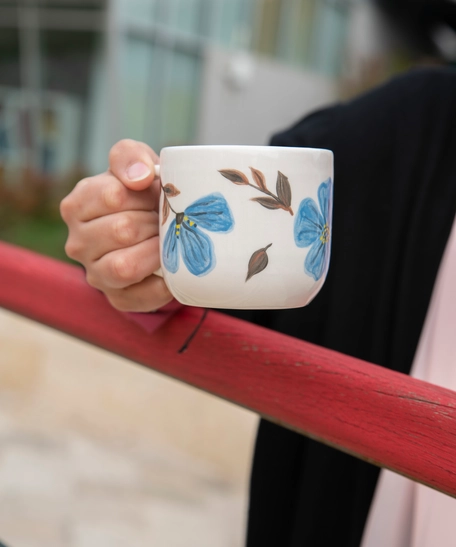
x,y
133,163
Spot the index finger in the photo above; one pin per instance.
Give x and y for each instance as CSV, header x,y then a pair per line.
x,y
102,195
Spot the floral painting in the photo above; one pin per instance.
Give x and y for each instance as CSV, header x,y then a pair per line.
x,y
272,201
186,237
311,229
258,262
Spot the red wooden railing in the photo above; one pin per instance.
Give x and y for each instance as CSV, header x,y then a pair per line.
x,y
378,415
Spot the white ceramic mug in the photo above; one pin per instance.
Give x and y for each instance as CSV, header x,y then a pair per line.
x,y
245,227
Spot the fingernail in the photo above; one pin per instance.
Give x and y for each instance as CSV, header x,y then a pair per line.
x,y
138,171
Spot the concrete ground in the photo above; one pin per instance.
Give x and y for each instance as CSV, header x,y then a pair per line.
x,y
96,451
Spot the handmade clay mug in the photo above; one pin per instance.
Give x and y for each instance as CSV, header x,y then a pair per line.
x,y
245,227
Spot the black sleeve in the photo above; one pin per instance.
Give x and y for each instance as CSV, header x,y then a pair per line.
x,y
394,205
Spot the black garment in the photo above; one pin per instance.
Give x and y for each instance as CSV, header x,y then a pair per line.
x,y
394,204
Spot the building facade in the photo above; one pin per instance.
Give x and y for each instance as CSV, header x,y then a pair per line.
x,y
76,76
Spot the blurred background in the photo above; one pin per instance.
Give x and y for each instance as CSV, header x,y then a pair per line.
x,y
94,450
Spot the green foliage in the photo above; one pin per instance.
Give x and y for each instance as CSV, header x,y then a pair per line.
x,y
29,213
45,235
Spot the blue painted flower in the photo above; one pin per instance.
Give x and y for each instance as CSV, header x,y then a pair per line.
x,y
311,229
184,237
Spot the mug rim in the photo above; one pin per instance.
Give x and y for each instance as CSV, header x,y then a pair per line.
x,y
249,147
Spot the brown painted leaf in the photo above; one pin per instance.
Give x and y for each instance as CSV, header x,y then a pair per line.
x,y
234,176
283,189
165,211
258,177
258,262
170,190
269,203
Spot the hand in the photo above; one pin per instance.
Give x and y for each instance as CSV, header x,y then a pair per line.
x,y
113,229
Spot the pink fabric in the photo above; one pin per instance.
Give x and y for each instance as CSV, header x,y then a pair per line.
x,y
404,513
151,321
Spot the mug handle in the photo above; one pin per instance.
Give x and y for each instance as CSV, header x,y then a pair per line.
x,y
157,176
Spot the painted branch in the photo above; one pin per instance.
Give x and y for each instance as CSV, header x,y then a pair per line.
x,y
381,416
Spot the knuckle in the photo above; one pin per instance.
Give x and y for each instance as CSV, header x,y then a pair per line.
x,y
66,208
125,230
123,270
113,197
83,183
81,186
70,204
73,248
